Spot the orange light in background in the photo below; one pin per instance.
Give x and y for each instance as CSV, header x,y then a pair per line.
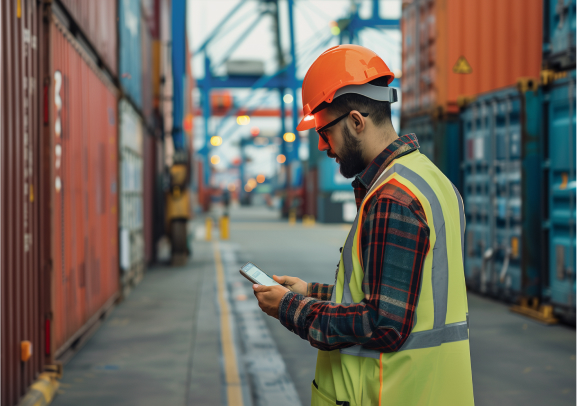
x,y
251,182
215,140
243,120
254,131
260,178
247,189
187,123
281,159
289,137
231,187
215,159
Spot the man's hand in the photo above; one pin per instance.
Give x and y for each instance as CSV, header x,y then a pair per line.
x,y
295,285
269,298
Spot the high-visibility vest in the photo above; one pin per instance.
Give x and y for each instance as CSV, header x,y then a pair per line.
x,y
433,367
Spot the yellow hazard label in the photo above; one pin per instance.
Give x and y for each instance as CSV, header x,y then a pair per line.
x,y
462,66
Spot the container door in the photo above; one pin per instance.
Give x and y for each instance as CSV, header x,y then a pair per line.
x,y
562,191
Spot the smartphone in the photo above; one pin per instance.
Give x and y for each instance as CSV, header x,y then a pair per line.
x,y
251,272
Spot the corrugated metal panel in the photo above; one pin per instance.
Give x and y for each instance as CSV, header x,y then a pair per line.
x,y
84,132
492,193
559,44
130,51
561,116
146,44
440,141
22,292
500,41
97,20
131,188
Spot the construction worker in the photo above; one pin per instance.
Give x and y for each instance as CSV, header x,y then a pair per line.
x,y
393,328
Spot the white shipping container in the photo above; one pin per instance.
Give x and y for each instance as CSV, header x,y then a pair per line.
x,y
131,187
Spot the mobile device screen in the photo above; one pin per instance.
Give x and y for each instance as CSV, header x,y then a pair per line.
x,y
257,275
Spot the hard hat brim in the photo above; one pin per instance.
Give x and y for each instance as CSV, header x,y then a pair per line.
x,y
306,125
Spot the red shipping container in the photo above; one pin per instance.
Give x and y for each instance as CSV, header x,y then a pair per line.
x,y
23,304
454,49
84,234
98,21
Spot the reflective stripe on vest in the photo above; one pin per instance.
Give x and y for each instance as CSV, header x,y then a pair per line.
x,y
441,332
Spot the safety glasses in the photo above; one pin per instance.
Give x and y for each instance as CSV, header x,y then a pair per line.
x,y
321,130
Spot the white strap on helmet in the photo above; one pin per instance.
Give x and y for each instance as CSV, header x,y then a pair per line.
x,y
379,93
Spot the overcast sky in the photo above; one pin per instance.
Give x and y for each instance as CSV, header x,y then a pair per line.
x,y
312,29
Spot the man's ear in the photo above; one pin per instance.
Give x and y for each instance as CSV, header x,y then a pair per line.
x,y
359,121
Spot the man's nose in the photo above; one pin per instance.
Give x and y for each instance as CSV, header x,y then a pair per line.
x,y
323,146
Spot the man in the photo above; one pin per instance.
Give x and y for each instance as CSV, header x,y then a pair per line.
x,y
393,328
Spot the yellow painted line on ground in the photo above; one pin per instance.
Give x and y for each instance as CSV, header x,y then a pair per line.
x,y
232,379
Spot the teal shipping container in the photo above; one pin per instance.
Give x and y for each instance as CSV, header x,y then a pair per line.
x,y
439,140
559,34
501,191
559,226
130,50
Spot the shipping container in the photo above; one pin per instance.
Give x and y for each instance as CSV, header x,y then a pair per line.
x,y
132,246
147,80
455,49
501,187
336,199
150,195
559,226
82,127
23,303
97,21
439,140
310,192
559,34
130,49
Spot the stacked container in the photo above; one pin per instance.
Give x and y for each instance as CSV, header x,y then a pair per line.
x,y
559,34
559,188
454,50
501,188
97,21
131,192
23,295
82,127
558,112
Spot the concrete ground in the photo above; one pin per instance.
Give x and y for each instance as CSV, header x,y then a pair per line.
x,y
164,344
515,361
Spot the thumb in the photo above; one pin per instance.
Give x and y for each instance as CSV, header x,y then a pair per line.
x,y
280,279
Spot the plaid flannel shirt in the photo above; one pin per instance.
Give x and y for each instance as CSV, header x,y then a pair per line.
x,y
394,243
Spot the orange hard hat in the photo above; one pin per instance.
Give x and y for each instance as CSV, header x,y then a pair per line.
x,y
337,67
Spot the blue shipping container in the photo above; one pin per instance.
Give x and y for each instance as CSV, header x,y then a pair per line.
x,y
559,44
130,49
560,108
492,193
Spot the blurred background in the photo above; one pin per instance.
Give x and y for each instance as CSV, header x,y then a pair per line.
x,y
149,148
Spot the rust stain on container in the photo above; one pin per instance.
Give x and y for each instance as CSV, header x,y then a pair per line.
x,y
83,128
98,21
500,41
22,306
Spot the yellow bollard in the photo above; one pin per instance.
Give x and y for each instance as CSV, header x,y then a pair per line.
x,y
292,217
208,228
224,228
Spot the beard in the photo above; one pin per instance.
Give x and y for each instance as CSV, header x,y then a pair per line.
x,y
351,157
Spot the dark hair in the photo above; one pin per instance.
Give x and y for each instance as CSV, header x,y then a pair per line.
x,y
379,111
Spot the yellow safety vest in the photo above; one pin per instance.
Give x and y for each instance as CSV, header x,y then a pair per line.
x,y
433,367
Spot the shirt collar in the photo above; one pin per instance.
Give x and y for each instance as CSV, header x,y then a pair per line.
x,y
401,146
